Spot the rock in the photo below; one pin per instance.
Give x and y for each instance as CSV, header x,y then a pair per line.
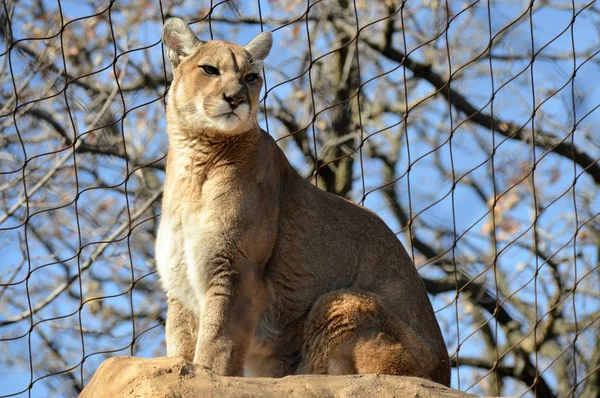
x,y
175,377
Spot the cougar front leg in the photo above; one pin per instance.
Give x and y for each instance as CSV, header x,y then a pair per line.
x,y
181,330
227,286
229,316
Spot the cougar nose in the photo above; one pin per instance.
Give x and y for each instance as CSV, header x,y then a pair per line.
x,y
234,100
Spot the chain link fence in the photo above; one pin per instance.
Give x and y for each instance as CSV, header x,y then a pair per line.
x,y
467,126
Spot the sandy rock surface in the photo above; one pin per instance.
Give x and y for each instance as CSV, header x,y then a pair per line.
x,y
174,377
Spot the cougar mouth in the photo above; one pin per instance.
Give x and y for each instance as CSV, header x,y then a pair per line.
x,y
228,114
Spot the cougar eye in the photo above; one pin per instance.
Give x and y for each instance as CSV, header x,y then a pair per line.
x,y
251,77
210,70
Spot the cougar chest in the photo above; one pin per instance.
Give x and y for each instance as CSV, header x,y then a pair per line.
x,y
190,229
170,259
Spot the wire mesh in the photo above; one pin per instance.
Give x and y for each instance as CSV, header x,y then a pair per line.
x,y
467,126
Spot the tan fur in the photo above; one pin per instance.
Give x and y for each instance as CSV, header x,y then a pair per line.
x,y
271,273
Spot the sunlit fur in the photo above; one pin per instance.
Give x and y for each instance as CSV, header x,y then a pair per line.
x,y
266,274
197,98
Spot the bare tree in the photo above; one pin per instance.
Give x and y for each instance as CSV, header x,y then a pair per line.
x,y
467,126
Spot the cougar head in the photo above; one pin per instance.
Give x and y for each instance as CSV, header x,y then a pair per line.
x,y
216,83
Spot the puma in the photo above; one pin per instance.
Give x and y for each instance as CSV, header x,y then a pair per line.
x,y
265,274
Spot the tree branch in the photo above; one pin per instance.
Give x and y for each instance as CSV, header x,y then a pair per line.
x,y
543,139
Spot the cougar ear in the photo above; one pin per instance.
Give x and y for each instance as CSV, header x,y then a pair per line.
x,y
179,39
260,46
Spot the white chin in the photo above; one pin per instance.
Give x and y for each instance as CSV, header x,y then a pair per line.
x,y
227,123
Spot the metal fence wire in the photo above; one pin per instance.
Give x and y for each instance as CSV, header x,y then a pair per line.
x,y
468,126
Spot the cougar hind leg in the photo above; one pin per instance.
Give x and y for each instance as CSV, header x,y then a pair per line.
x,y
349,332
